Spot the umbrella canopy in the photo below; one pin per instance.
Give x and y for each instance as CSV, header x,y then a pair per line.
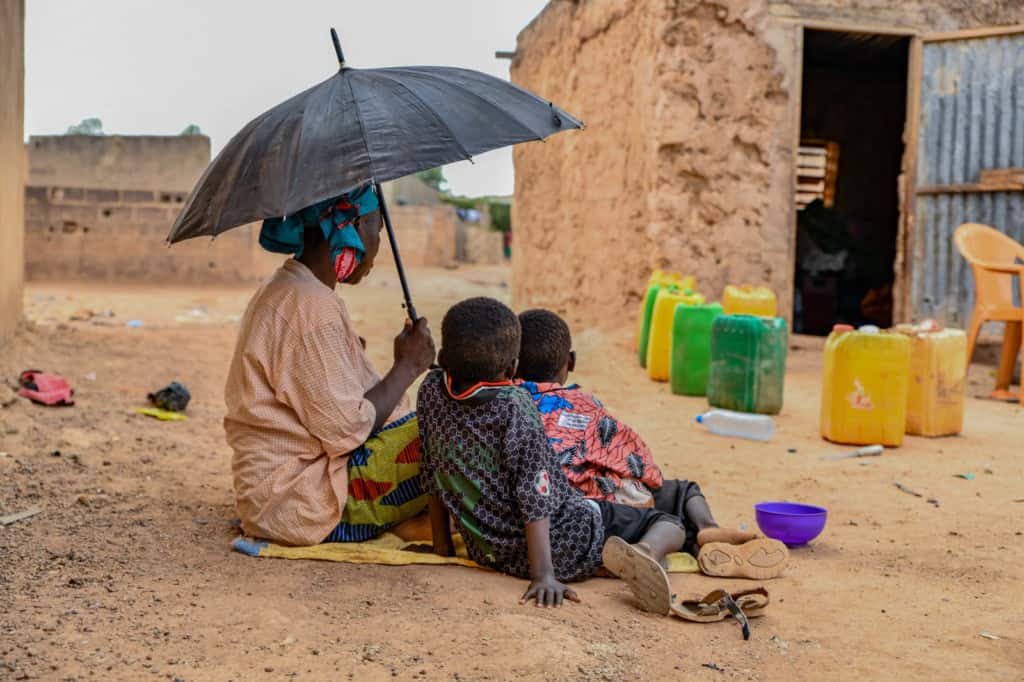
x,y
356,127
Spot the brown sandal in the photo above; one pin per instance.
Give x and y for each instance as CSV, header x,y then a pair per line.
x,y
719,605
757,559
644,576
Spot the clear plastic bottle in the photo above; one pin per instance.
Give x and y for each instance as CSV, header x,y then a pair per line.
x,y
738,424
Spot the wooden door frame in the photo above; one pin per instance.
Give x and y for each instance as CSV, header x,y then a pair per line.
x,y
901,266
902,289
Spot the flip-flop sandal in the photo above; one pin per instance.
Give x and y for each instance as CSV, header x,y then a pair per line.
x,y
719,605
758,559
1003,395
645,576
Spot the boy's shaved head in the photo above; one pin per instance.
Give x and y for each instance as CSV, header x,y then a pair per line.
x,y
479,340
546,344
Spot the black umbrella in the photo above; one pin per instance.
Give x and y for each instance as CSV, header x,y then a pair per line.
x,y
361,126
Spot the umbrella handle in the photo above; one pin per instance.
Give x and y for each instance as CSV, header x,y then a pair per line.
x,y
409,307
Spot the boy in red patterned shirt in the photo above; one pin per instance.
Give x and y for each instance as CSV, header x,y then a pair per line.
x,y
607,460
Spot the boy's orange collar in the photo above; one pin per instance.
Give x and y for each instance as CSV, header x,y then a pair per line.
x,y
474,389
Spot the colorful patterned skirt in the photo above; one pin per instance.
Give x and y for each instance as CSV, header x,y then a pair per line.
x,y
383,483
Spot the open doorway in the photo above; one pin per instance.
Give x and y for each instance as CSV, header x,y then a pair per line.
x,y
853,112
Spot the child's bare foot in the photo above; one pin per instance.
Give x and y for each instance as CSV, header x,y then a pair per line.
x,y
732,536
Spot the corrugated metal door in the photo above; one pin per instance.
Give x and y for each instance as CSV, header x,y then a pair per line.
x,y
971,119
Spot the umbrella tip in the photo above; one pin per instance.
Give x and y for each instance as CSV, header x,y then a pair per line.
x,y
337,49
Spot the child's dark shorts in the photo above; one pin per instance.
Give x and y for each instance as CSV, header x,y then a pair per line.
x,y
631,523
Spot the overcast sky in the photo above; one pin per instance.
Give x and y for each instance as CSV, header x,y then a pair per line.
x,y
153,66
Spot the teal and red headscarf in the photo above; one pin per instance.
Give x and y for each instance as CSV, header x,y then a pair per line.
x,y
336,219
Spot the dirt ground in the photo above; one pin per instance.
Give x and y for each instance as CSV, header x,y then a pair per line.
x,y
127,571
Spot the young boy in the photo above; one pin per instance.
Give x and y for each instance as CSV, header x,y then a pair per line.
x,y
607,460
486,462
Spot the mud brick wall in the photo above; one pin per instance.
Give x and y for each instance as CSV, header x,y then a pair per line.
x,y
12,161
88,234
98,208
425,234
169,163
686,161
479,245
410,191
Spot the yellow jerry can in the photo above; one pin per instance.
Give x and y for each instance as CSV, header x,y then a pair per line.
x,y
938,374
864,391
659,344
748,300
657,280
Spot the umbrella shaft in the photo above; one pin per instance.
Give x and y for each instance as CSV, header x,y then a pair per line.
x,y
409,307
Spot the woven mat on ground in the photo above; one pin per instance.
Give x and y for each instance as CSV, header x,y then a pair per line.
x,y
391,550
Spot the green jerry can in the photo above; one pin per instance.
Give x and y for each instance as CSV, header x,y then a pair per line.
x,y
748,363
691,347
659,280
645,320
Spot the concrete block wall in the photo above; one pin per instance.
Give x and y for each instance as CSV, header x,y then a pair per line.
x,y
12,162
88,234
117,162
98,208
85,234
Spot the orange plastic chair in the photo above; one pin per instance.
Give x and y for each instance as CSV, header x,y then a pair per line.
x,y
992,257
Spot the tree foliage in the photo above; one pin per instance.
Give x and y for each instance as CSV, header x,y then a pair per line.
x,y
88,126
459,202
501,217
435,178
191,129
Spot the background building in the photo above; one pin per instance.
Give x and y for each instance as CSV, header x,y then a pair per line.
x,y
98,208
710,123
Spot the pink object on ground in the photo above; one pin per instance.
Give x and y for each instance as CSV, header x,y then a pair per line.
x,y
45,389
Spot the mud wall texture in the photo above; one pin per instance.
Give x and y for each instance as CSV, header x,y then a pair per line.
x,y
926,16
687,159
12,162
425,235
581,209
479,245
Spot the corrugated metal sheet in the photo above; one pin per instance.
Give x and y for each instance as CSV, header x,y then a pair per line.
x,y
972,119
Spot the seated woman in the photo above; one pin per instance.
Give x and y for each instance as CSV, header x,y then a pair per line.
x,y
325,450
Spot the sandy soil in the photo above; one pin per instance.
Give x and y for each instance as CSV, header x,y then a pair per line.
x,y
127,572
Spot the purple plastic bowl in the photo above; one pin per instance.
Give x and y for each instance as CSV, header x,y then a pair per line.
x,y
789,522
